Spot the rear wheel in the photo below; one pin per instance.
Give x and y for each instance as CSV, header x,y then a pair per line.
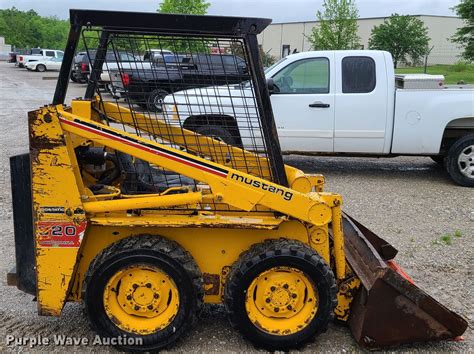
x,y
72,77
460,161
145,288
41,68
280,295
155,101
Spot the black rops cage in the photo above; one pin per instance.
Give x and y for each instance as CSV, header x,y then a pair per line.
x,y
177,73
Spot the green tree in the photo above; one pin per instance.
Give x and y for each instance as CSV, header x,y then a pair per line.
x,y
337,28
405,37
465,35
185,7
26,29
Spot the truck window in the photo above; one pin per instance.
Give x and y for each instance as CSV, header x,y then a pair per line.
x,y
49,53
304,77
358,75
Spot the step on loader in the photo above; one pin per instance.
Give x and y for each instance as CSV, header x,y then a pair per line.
x,y
144,215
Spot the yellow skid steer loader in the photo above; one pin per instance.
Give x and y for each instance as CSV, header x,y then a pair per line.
x,y
150,199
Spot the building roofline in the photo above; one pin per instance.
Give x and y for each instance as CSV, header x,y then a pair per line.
x,y
363,18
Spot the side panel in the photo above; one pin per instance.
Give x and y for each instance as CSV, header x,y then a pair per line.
x,y
59,220
422,115
23,223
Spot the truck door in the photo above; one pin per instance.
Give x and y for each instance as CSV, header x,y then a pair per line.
x,y
303,104
361,103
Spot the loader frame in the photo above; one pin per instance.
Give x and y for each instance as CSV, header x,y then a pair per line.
x,y
73,224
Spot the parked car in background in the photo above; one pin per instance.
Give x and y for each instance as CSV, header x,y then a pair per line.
x,y
82,65
154,54
175,72
12,57
45,64
348,103
39,55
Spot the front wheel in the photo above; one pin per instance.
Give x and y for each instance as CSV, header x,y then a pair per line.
x,y
217,132
144,288
460,161
280,294
41,68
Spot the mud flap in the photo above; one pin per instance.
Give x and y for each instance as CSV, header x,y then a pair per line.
x,y
389,309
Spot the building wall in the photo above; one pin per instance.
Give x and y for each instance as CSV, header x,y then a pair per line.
x,y
440,30
4,49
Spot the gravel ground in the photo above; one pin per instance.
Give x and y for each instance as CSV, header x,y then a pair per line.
x,y
409,201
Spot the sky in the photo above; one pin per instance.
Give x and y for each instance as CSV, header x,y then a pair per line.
x,y
278,10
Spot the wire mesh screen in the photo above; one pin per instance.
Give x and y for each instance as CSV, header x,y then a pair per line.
x,y
191,93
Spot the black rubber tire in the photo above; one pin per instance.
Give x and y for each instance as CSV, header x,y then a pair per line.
x,y
72,77
266,255
154,95
144,249
452,161
439,159
218,132
40,68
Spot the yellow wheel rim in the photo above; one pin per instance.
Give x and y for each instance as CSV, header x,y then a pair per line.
x,y
281,301
141,299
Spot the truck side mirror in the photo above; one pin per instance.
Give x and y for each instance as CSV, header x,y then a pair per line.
x,y
270,86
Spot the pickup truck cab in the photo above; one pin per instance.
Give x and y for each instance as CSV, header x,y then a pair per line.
x,y
349,103
41,55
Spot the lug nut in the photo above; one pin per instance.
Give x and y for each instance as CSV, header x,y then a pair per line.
x,y
137,307
294,296
285,286
129,297
267,300
148,285
150,307
135,286
276,309
272,288
289,307
156,296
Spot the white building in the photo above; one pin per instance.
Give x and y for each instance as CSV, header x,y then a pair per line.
x,y
4,49
281,39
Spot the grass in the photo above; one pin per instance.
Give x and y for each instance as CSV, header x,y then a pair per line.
x,y
447,239
452,73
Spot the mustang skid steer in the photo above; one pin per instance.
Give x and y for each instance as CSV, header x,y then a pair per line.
x,y
144,217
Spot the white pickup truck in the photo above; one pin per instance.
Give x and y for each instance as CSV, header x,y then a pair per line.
x,y
42,55
348,103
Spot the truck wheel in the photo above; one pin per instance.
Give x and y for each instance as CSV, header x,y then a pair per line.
x,y
146,288
72,77
41,68
155,100
217,132
460,161
280,294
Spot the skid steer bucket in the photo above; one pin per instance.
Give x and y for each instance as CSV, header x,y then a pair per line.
x,y
389,308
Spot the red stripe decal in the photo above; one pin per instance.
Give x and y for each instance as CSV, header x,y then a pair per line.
x,y
144,148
